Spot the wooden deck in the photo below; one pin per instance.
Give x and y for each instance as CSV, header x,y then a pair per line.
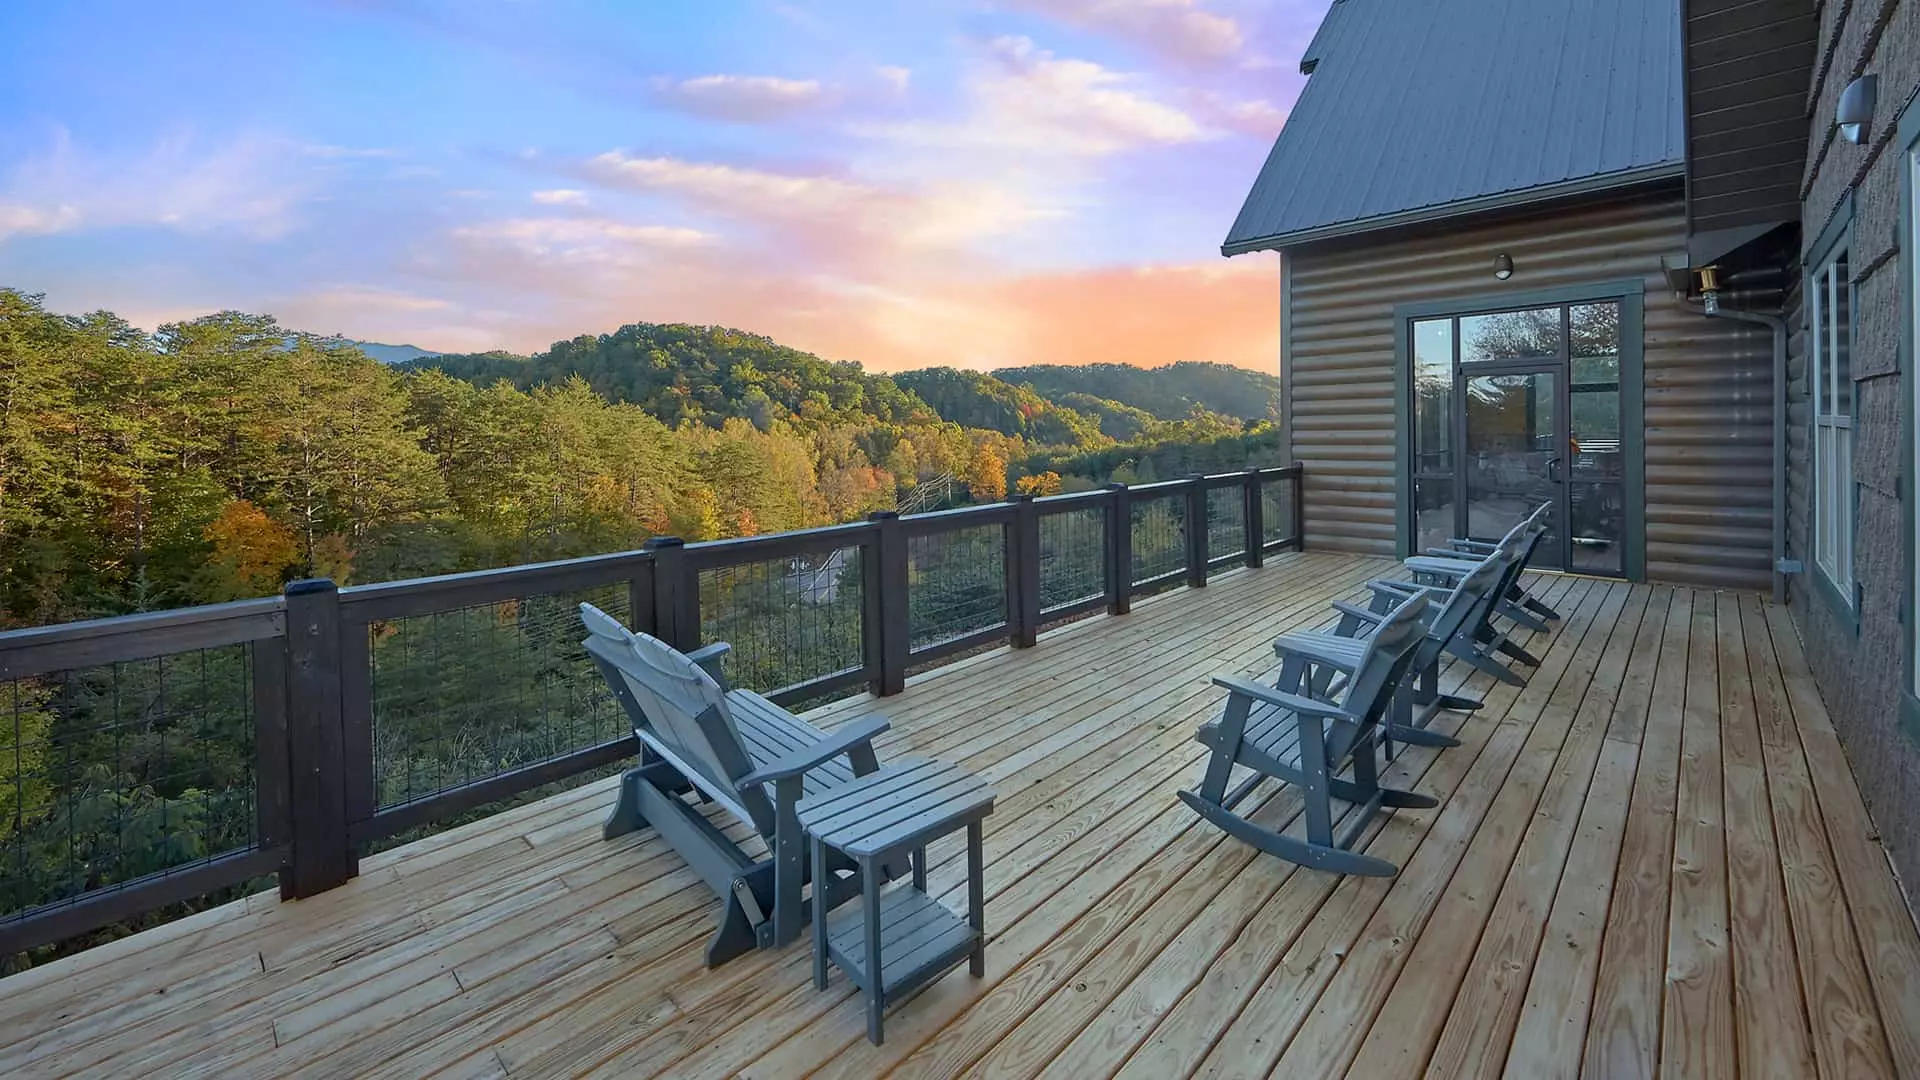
x,y
1650,861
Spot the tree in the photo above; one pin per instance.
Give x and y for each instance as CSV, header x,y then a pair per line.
x,y
987,475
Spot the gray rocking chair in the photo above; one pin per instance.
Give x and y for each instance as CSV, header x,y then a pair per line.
x,y
1450,623
1298,740
1488,639
733,748
1516,603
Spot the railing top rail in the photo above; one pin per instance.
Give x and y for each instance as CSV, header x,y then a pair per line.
x,y
36,650
1073,500
709,554
415,596
960,517
1160,487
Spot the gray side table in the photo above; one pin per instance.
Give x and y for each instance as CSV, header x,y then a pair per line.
x,y
899,938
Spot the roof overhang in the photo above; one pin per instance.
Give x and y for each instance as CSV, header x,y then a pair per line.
x,y
1746,76
1506,200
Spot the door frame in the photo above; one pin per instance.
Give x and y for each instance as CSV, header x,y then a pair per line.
x,y
1630,293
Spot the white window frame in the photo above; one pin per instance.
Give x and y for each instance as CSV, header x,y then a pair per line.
x,y
1833,487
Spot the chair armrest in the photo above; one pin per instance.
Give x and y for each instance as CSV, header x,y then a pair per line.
x,y
1402,590
1358,612
795,762
1249,688
1456,554
709,657
1482,547
1450,568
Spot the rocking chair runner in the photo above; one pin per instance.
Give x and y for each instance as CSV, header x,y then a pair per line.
x,y
742,752
1305,742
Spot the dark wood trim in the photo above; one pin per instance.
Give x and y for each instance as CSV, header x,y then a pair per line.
x,y
1023,573
888,634
961,517
393,819
272,798
813,688
38,650
719,554
421,596
1253,520
322,856
1119,549
45,925
1197,532
1060,612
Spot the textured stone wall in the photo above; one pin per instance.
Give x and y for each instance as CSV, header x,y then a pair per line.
x,y
1863,676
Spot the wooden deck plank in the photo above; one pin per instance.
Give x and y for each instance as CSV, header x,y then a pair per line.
x,y
1623,1026
1844,1019
1770,1014
1657,841
1481,1004
1696,1028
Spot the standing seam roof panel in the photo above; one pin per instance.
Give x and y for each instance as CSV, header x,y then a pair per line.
x,y
1417,104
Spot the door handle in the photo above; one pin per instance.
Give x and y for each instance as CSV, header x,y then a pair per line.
x,y
1553,470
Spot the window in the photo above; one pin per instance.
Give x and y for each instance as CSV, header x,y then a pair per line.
x,y
1830,346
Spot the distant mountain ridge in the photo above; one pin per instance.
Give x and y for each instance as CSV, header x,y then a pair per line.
x,y
393,354
1169,392
707,373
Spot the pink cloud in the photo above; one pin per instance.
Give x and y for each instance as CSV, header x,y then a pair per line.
x,y
742,99
1180,30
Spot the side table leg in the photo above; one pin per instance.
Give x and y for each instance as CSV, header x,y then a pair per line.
x,y
820,883
876,989
976,900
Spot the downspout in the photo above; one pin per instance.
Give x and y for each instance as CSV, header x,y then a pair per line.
x,y
1779,327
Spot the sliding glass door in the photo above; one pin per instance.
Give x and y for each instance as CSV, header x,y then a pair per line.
x,y
1512,409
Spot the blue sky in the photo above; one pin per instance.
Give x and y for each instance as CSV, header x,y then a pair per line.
x,y
974,182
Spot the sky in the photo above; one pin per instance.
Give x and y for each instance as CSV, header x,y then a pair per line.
x,y
977,183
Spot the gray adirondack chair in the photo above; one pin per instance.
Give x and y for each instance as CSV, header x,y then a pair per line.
x,y
1307,742
1324,661
735,749
1489,640
1517,603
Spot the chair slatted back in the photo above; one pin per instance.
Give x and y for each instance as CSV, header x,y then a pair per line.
x,y
1471,598
679,708
1384,662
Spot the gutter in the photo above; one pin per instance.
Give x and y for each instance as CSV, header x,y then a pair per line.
x,y
1779,327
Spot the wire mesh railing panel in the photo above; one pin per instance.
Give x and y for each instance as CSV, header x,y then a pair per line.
x,y
1226,526
1276,510
789,621
474,692
118,771
1073,557
956,584
1159,541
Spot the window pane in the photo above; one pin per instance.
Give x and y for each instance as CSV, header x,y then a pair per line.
x,y
1817,342
1433,396
1433,512
1842,337
1598,522
1595,391
1843,507
1511,335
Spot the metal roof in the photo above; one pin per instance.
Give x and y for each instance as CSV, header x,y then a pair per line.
x,y
1418,109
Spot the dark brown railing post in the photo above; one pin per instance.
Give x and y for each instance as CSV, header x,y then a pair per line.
x,y
1197,532
640,602
676,595
886,633
1299,509
321,855
1023,572
1254,517
1119,549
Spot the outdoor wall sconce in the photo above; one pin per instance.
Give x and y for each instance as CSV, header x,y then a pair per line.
x,y
1710,288
1503,266
1854,114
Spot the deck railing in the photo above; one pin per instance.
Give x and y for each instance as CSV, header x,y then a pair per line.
x,y
155,759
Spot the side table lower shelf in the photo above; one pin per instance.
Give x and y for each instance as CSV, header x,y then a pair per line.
x,y
920,938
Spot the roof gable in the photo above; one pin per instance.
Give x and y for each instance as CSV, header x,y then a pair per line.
x,y
1416,108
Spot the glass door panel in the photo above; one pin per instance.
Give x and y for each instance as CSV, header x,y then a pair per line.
x,y
1511,454
1596,473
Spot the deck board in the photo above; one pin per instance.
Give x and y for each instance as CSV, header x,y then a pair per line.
x,y
1653,856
